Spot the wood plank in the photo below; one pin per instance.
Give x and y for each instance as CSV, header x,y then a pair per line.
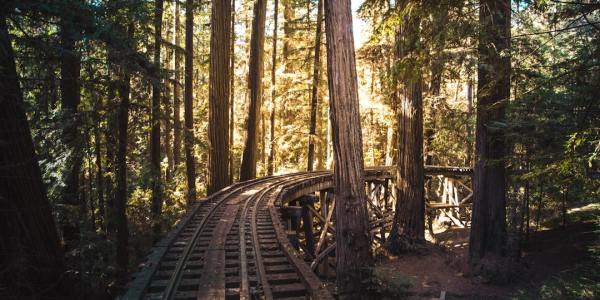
x,y
212,282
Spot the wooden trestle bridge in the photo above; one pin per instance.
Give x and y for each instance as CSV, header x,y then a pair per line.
x,y
274,237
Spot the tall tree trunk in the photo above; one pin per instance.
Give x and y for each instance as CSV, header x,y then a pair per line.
x,y
270,167
394,91
99,168
408,229
352,224
155,125
255,87
190,161
263,139
70,61
177,90
488,228
30,253
231,91
121,176
315,89
218,119
166,119
111,134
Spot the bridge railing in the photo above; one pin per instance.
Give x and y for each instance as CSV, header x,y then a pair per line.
x,y
307,209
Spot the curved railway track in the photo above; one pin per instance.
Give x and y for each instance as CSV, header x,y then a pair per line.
x,y
246,242
228,248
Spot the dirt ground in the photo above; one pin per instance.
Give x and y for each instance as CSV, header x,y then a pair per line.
x,y
442,267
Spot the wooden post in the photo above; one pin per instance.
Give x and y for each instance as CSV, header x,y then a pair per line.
x,y
383,210
307,222
324,197
292,213
386,193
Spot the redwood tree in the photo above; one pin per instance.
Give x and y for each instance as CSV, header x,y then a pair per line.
x,y
255,75
315,89
408,228
177,90
30,253
271,161
122,255
352,224
155,123
231,91
218,120
488,226
190,162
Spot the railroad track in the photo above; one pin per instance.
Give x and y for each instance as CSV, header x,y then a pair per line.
x,y
228,247
237,243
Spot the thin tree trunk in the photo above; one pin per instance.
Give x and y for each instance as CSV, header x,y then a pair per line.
x,y
352,224
155,125
315,89
526,209
538,217
166,119
89,185
218,119
99,168
30,253
469,128
232,92
564,207
111,146
122,256
255,74
190,161
270,166
488,227
177,90
263,139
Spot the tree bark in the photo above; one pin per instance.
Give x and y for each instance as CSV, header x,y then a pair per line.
x,y
155,125
271,160
469,117
352,239
122,256
488,228
111,134
408,229
255,87
98,156
166,119
218,119
232,92
30,253
315,89
177,91
190,161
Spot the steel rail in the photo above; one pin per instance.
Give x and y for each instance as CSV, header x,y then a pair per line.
x,y
176,277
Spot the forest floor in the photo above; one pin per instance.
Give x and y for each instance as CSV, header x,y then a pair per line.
x,y
555,261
